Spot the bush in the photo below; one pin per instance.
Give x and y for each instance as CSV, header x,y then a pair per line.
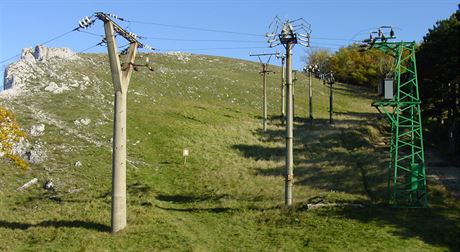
x,y
10,135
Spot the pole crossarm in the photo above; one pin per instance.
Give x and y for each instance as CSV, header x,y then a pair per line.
x,y
406,170
129,36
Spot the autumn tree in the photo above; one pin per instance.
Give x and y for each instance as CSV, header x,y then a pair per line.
x,y
10,135
360,68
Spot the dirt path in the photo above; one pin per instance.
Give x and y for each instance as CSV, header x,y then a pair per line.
x,y
440,170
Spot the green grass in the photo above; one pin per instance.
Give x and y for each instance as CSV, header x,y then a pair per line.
x,y
229,196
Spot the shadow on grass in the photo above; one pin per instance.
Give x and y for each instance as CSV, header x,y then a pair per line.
x,y
195,210
57,224
366,115
189,198
344,159
430,224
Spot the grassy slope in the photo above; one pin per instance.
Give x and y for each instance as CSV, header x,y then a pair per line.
x,y
229,195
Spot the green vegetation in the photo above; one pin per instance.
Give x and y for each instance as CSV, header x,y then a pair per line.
x,y
229,195
438,64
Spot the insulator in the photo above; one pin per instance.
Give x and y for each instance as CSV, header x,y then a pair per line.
x,y
379,33
85,22
132,35
392,33
147,60
81,24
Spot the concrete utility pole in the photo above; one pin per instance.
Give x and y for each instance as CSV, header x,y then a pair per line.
x,y
310,96
288,38
289,129
264,72
310,69
330,80
283,97
120,80
121,75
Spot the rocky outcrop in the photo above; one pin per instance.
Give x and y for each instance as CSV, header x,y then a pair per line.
x,y
29,66
42,53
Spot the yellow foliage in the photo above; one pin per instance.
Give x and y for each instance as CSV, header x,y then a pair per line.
x,y
11,133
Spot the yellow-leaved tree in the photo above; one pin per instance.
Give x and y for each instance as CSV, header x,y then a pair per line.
x,y
10,135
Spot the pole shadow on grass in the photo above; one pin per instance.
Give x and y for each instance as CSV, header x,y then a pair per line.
x,y
211,202
345,159
56,224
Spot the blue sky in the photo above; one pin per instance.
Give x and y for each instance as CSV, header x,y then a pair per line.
x,y
334,23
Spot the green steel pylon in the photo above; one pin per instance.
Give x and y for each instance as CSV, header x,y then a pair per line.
x,y
406,174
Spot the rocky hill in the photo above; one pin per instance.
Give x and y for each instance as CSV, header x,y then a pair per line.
x,y
229,194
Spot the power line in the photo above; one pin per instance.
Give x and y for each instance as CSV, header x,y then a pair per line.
x,y
196,28
92,33
216,48
335,39
44,43
58,37
10,58
91,47
203,40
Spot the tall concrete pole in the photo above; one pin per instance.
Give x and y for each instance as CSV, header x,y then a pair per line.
x,y
310,95
120,80
289,128
283,97
264,72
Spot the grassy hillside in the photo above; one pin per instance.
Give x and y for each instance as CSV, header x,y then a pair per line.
x,y
230,194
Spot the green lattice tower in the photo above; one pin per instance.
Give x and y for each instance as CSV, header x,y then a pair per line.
x,y
406,174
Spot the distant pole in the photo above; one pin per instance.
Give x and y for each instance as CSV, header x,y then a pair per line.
x,y
264,73
331,97
310,95
289,128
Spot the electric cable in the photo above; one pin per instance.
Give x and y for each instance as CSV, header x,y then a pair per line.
x,y
216,48
92,33
195,28
91,47
44,43
10,58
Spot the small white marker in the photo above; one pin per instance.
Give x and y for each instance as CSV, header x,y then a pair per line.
x,y
185,154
